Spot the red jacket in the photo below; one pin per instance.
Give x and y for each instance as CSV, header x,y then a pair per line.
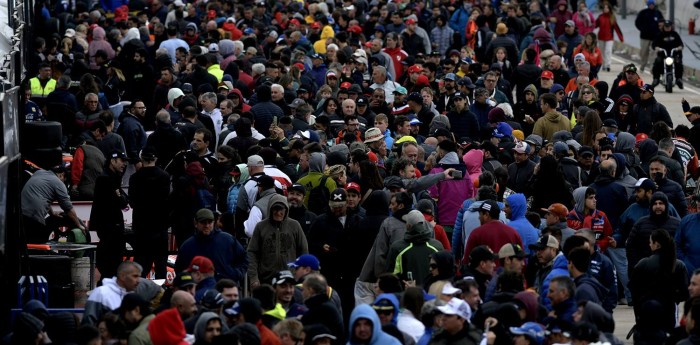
x,y
606,28
494,234
597,221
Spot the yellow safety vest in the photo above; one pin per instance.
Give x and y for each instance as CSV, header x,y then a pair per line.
x,y
38,91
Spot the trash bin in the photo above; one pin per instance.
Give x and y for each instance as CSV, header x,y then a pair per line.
x,y
57,271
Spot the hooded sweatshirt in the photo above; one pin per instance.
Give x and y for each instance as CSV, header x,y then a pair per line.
x,y
622,174
274,244
451,193
589,289
552,122
317,163
102,300
236,188
379,337
518,209
409,254
473,160
595,220
200,328
99,43
638,241
167,328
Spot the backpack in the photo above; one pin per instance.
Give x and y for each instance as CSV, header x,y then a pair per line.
x,y
203,198
318,197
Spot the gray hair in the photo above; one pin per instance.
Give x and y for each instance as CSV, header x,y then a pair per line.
x,y
381,69
161,52
316,283
126,266
258,68
481,91
210,96
238,46
163,116
63,82
277,86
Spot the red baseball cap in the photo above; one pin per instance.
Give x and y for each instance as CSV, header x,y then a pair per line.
x,y
356,29
352,186
295,22
422,81
316,25
211,14
300,65
547,75
410,21
201,264
415,69
345,85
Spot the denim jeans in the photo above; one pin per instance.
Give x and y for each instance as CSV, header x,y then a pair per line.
x,y
618,256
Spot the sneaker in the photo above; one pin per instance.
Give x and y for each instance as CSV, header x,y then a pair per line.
x,y
655,83
679,83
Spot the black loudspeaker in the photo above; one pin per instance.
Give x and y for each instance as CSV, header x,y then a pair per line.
x,y
57,271
41,135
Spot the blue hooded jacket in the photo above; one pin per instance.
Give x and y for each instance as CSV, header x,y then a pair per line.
x,y
518,208
559,268
394,301
379,337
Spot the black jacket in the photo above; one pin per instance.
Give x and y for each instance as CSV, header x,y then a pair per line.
x,y
638,240
106,215
464,124
327,229
675,195
323,311
167,141
303,216
649,112
589,289
149,189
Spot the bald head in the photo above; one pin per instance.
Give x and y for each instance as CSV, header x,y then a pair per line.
x,y
184,302
607,167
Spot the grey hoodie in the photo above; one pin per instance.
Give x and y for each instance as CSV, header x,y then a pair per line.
x,y
317,162
580,199
201,327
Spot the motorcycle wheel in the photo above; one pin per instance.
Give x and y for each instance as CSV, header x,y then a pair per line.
x,y
669,83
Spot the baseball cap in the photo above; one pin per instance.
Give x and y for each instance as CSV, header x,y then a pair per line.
x,y
440,132
338,198
331,74
415,69
561,148
544,242
631,68
693,110
361,101
610,123
456,306
640,137
352,186
422,81
410,21
345,85
502,130
532,330
570,23
645,184
547,75
183,279
556,88
415,97
204,214
481,253
297,102
212,299
466,81
556,209
255,161
491,207
298,188
522,147
414,217
69,33
413,122
373,134
450,76
201,264
579,56
118,154
306,260
283,277
393,182
647,87
449,289
511,249
400,90
459,95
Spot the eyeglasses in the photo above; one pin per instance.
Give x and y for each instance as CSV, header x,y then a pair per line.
x,y
560,92
587,92
491,80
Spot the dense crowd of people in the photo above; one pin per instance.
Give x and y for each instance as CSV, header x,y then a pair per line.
x,y
442,172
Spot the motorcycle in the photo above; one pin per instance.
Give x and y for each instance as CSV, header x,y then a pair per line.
x,y
669,60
